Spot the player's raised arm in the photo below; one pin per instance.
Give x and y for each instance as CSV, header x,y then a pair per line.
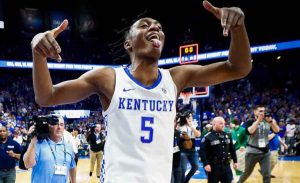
x,y
239,59
45,46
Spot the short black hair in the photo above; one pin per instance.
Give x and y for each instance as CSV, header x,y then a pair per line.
x,y
117,52
236,121
259,105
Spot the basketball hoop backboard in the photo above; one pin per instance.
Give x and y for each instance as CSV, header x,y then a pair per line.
x,y
192,93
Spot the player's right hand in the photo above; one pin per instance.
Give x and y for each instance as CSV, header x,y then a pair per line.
x,y
44,44
231,17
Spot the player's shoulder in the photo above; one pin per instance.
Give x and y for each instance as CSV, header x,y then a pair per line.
x,y
103,71
106,70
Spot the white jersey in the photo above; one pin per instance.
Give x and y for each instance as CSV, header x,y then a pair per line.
x,y
140,129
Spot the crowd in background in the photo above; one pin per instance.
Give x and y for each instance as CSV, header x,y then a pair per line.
x,y
266,84
231,100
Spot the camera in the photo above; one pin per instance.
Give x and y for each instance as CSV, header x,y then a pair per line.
x,y
41,123
268,114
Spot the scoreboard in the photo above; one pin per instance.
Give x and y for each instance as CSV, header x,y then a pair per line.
x,y
188,54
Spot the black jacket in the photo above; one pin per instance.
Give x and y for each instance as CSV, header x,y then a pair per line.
x,y
176,156
92,140
217,148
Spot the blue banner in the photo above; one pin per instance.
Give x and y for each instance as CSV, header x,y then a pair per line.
x,y
162,62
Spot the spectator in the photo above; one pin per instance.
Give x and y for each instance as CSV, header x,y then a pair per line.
x,y
69,139
275,143
10,152
96,141
290,135
240,139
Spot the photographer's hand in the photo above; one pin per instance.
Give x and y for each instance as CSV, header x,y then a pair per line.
x,y
29,156
274,126
254,126
30,133
33,140
260,118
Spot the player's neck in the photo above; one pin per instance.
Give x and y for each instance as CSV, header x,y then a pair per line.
x,y
147,74
146,78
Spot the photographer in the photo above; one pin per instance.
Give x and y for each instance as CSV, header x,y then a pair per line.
x,y
52,158
187,145
257,150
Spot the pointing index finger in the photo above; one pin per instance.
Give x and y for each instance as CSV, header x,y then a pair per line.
x,y
63,26
212,9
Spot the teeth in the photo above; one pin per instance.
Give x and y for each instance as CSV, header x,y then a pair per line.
x,y
154,36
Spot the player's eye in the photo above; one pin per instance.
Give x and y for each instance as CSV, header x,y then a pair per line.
x,y
144,26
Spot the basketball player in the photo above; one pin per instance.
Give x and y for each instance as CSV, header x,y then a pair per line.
x,y
139,101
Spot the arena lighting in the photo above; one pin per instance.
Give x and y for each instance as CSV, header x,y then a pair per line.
x,y
1,24
1,16
73,114
162,62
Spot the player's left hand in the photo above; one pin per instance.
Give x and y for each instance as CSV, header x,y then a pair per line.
x,y
231,17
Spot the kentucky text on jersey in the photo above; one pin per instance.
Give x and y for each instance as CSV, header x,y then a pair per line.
x,y
143,104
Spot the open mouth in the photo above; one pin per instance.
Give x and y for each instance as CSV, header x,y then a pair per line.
x,y
155,39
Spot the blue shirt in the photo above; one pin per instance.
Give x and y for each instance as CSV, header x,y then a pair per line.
x,y
274,143
282,130
7,162
43,171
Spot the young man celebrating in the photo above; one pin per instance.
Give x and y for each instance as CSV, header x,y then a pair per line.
x,y
139,101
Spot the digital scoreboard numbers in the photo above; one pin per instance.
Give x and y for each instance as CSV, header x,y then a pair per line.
x,y
188,54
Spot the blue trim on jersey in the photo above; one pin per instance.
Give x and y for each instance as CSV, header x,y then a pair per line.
x,y
140,84
102,169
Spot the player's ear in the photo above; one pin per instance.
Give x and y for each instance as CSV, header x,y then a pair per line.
x,y
127,45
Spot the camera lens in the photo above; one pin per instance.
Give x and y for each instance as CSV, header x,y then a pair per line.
x,y
267,115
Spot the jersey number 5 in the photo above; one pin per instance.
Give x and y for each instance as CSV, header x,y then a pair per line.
x,y
146,126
